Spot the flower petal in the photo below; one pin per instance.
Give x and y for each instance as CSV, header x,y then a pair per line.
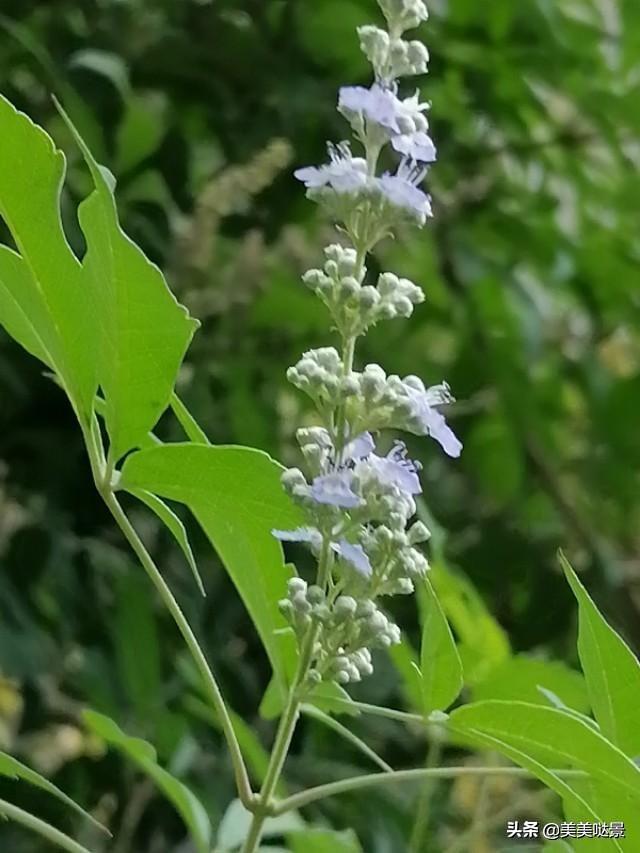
x,y
354,554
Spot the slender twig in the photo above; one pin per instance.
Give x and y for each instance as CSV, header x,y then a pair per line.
x,y
242,778
41,828
321,792
388,713
421,825
188,423
347,734
264,805
97,466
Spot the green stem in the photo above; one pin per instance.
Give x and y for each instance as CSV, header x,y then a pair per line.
x,y
188,423
288,721
388,713
241,776
41,828
421,825
321,792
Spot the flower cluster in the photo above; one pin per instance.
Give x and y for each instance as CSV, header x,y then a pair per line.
x,y
359,502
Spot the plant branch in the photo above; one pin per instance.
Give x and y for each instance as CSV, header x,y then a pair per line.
x,y
241,776
41,828
188,423
264,806
321,792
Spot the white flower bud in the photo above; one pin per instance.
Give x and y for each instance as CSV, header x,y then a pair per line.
x,y
291,478
418,56
374,43
350,386
387,283
331,268
315,595
345,607
403,306
419,533
369,297
349,286
297,585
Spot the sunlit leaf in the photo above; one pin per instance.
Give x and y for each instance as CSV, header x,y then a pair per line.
x,y
611,669
235,494
49,303
144,332
440,663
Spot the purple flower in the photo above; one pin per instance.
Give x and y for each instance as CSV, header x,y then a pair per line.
x,y
354,554
359,447
344,173
395,469
377,105
402,190
300,534
431,420
335,490
417,146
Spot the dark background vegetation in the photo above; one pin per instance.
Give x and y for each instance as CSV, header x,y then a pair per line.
x,y
201,108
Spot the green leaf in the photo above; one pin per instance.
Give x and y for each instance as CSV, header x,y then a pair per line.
x,y
235,494
520,678
144,756
235,824
482,643
111,66
15,283
439,659
48,292
14,769
611,669
144,332
324,841
405,660
173,524
545,739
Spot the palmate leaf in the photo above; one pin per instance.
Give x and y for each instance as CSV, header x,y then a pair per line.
x,y
144,331
43,301
545,739
611,669
236,496
13,769
144,756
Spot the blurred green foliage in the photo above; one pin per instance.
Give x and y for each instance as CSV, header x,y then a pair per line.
x,y
200,109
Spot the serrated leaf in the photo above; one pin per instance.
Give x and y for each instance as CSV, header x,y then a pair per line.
x,y
144,756
611,669
544,740
440,663
13,769
173,524
144,331
236,496
49,290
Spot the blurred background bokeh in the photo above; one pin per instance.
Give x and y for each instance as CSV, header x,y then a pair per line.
x,y
201,109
